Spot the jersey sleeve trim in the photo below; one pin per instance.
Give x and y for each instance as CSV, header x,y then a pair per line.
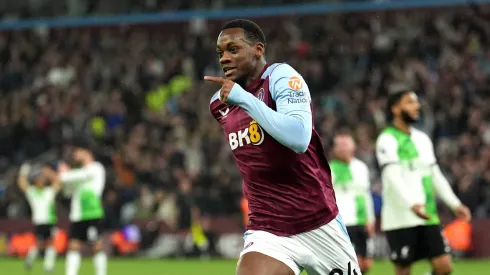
x,y
214,97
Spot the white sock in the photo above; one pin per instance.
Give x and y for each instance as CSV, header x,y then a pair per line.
x,y
32,255
73,259
100,263
49,258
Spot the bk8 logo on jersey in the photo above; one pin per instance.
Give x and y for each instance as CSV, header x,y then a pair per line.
x,y
252,135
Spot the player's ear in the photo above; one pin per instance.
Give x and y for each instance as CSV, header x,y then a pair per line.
x,y
395,109
259,50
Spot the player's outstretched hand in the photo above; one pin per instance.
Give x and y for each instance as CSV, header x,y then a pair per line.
x,y
418,209
226,86
463,213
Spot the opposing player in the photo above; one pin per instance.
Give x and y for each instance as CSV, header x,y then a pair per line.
x,y
350,177
86,210
41,197
266,115
411,179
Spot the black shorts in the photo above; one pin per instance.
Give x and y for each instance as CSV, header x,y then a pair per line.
x,y
86,231
359,237
44,232
409,245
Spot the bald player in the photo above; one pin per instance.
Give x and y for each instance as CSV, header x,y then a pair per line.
x,y
350,178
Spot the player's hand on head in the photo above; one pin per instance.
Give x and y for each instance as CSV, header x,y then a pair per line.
x,y
48,172
226,86
418,209
463,212
24,169
63,167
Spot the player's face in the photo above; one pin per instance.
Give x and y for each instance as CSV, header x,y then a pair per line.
x,y
344,147
78,155
238,56
408,108
40,181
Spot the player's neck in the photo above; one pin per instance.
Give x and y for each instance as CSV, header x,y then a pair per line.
x,y
257,74
344,160
401,125
88,161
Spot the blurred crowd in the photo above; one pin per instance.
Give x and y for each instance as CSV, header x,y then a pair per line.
x,y
137,93
56,8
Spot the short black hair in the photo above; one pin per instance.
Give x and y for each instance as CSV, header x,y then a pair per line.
x,y
344,132
393,99
81,143
252,31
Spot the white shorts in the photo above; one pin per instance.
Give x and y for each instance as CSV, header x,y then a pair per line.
x,y
324,251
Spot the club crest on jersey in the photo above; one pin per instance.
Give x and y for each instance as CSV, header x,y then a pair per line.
x,y
260,94
252,135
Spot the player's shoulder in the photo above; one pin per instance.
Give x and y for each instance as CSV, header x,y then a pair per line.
x,y
98,166
214,98
420,135
385,138
359,164
279,70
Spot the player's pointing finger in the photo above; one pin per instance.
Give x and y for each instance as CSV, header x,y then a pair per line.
x,y
215,79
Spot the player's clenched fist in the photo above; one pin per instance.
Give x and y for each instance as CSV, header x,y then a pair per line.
x,y
226,86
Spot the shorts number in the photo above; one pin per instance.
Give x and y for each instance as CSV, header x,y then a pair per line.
x,y
350,271
92,233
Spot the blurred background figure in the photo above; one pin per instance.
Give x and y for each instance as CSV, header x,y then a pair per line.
x,y
350,177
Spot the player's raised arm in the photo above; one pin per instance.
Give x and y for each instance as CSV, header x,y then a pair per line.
x,y
369,198
291,124
53,177
75,175
386,153
22,181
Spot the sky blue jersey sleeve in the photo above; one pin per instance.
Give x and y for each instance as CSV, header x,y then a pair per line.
x,y
291,125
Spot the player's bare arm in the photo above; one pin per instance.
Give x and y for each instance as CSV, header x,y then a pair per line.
x,y
22,181
53,177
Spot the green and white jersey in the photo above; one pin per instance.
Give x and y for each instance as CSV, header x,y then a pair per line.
x,y
414,183
42,202
352,191
88,183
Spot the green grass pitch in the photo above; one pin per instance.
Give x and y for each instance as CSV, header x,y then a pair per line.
x,y
121,266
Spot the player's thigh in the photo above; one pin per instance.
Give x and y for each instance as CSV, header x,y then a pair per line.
x,y
256,263
266,253
77,235
359,238
433,241
404,246
436,249
442,265
331,251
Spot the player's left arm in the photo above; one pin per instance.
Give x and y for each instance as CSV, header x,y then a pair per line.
x,y
22,180
443,188
291,124
369,198
74,175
